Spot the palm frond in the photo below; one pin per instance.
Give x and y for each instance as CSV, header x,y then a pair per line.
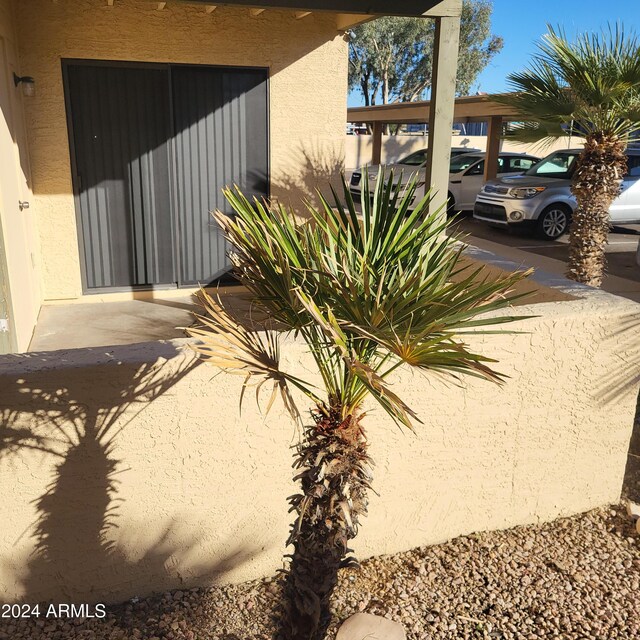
x,y
369,287
226,344
583,87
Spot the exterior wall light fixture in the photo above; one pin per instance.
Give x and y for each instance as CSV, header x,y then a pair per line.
x,y
28,84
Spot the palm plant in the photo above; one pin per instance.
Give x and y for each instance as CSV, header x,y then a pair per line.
x,y
588,88
367,295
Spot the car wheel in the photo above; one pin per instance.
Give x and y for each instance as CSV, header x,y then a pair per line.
x,y
553,222
451,204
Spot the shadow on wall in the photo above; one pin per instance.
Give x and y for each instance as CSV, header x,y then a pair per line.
x,y
622,381
320,165
78,425
359,149
395,147
631,484
623,338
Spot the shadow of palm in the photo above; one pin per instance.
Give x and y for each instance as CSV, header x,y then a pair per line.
x,y
78,425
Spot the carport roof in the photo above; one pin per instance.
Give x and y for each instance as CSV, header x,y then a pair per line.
x,y
352,12
413,8
466,109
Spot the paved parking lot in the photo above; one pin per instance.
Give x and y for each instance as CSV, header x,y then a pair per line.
x,y
623,274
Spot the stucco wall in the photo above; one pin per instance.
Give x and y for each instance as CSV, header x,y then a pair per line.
x,y
19,244
358,149
131,469
307,59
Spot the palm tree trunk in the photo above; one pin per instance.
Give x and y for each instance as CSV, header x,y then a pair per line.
x,y
334,477
596,184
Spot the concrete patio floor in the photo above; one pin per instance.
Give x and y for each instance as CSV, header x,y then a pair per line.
x,y
163,315
622,276
153,316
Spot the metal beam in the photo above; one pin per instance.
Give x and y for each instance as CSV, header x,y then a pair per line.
x,y
346,21
445,9
493,148
443,91
376,151
409,8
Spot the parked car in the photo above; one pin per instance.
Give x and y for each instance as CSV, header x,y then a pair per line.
x,y
418,158
466,175
541,201
405,165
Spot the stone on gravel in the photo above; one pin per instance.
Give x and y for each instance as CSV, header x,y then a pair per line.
x,y
633,510
365,626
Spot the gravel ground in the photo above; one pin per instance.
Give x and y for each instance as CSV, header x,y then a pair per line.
x,y
575,578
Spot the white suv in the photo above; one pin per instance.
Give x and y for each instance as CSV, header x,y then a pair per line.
x,y
540,200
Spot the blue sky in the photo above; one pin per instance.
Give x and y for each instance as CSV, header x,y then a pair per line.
x,y
522,22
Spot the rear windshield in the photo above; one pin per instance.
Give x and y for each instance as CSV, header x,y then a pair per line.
x,y
415,159
460,163
558,165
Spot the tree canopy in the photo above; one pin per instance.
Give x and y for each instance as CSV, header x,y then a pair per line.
x,y
589,87
391,58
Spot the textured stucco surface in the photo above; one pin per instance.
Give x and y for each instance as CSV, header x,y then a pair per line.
x,y
18,228
128,469
307,61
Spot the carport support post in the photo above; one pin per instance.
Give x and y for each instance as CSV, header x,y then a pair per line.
x,y
376,151
493,148
443,92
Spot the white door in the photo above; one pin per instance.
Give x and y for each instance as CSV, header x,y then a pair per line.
x,y
626,207
20,303
472,182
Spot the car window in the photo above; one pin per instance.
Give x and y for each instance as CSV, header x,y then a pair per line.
x,y
460,163
633,167
478,169
517,165
557,165
414,159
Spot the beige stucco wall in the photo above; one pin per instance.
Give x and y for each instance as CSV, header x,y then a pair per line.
x,y
195,491
358,149
307,59
20,246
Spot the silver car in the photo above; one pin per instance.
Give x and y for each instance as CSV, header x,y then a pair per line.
x,y
540,200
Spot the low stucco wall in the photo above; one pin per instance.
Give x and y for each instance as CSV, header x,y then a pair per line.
x,y
307,62
359,149
131,469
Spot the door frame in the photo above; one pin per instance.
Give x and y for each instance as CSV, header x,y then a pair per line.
x,y
68,62
8,338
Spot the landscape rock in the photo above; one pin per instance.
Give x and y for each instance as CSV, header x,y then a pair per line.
x,y
364,626
575,578
633,510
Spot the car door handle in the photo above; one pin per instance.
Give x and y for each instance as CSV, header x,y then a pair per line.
x,y
456,181
23,204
